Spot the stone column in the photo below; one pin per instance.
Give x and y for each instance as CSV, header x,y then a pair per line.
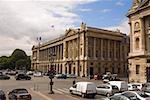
x,y
115,50
86,48
94,56
143,39
121,51
108,49
64,50
102,56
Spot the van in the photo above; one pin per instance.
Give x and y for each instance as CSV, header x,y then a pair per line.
x,y
122,85
84,89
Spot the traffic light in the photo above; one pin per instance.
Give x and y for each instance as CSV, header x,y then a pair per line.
x,y
51,72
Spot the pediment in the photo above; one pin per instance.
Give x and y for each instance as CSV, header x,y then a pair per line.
x,y
144,4
70,32
141,6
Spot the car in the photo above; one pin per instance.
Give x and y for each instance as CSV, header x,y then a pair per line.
x,y
4,77
84,89
29,73
22,77
71,76
2,95
116,97
12,72
139,85
109,76
132,87
146,88
38,74
19,94
61,76
135,95
107,89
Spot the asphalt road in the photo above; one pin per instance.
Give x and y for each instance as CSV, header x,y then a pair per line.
x,y
39,88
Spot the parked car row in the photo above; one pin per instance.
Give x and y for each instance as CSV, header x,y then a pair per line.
x,y
16,94
64,76
114,90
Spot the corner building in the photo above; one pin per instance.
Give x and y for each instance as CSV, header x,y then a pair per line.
x,y
139,56
84,51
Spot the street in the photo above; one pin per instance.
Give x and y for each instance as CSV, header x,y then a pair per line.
x,y
38,87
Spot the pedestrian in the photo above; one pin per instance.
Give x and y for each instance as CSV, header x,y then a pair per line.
x,y
74,82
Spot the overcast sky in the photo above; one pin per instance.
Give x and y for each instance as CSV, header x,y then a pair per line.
x,y
22,21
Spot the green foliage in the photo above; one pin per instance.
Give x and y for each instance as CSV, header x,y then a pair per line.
x,y
17,60
21,64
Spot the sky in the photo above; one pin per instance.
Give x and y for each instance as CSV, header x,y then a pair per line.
x,y
23,21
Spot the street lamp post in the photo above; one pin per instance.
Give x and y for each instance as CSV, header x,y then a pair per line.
x,y
51,71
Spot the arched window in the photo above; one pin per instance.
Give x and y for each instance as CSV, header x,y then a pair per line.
x,y
137,40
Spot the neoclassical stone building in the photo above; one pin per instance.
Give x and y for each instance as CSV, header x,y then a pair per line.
x,y
84,51
139,56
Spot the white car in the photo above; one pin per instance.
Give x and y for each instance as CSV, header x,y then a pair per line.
x,y
135,95
29,73
38,74
132,87
139,85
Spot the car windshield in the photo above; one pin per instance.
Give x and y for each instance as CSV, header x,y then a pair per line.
x,y
22,91
142,94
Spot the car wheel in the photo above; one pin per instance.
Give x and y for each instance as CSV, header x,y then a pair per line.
x,y
108,95
71,92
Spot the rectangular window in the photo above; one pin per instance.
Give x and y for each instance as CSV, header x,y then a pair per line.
x,y
137,69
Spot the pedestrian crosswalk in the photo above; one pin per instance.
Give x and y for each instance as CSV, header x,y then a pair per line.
x,y
61,90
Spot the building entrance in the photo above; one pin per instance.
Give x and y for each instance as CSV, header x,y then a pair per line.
x,y
91,71
69,68
148,74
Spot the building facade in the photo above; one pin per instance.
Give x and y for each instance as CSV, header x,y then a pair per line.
x,y
84,51
139,56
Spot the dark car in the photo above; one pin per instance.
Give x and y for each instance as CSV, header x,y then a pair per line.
x,y
23,77
19,94
2,95
61,76
4,77
71,76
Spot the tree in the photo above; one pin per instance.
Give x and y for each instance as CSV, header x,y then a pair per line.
x,y
18,59
17,55
21,64
5,62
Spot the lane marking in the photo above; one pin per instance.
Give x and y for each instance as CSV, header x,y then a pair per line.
x,y
57,91
63,90
42,95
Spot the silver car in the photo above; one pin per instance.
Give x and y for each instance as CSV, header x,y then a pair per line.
x,y
107,89
116,97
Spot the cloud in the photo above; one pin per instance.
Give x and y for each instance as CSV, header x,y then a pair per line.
x,y
85,10
120,3
105,10
22,21
123,27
